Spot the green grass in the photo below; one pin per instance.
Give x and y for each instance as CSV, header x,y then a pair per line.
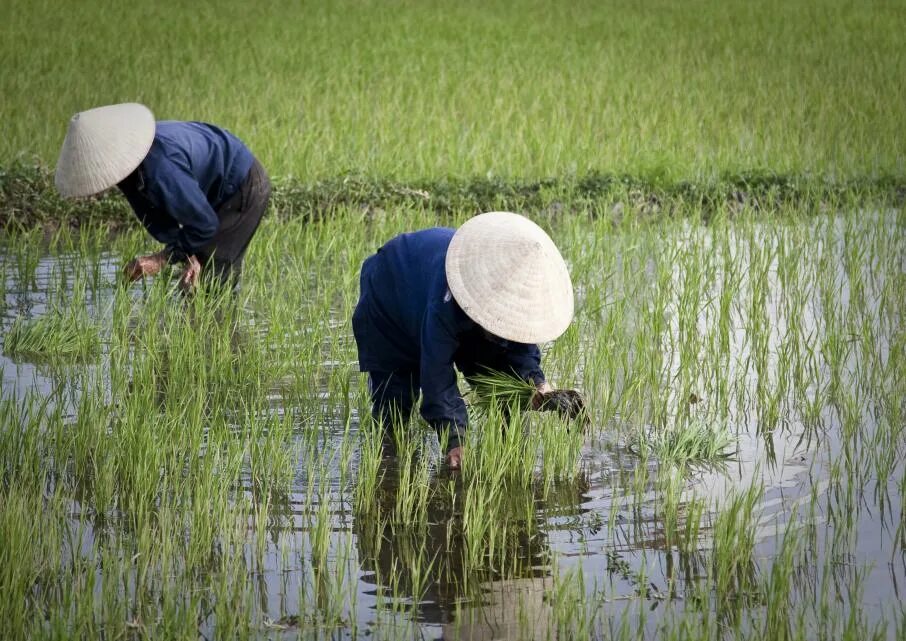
x,y
527,89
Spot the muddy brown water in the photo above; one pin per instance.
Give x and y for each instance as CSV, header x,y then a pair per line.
x,y
571,524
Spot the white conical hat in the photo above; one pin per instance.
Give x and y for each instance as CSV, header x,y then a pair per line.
x,y
103,146
508,276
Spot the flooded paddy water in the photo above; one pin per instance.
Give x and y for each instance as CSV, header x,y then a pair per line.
x,y
209,468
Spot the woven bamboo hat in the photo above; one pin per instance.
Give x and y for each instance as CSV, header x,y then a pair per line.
x,y
103,146
508,276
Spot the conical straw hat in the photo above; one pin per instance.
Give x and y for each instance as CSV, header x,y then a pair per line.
x,y
103,146
508,276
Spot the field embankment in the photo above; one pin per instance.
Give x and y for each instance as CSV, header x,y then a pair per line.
x,y
28,199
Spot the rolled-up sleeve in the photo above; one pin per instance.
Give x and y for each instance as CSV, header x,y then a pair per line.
x,y
442,403
178,193
525,361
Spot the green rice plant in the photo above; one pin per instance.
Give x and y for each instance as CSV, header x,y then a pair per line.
x,y
559,441
22,442
486,528
415,575
506,390
217,475
65,330
689,530
30,558
778,587
733,535
272,452
694,442
498,450
334,604
370,474
405,561
671,483
56,334
482,73
497,398
4,285
414,489
573,615
27,257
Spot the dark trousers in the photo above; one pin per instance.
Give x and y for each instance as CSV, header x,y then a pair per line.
x,y
239,218
392,396
394,393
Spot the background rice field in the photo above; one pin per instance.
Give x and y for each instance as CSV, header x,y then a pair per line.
x,y
521,89
175,468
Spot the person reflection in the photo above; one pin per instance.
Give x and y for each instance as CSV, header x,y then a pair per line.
x,y
494,593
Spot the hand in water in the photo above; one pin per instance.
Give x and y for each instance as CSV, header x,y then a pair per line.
x,y
144,266
189,278
454,458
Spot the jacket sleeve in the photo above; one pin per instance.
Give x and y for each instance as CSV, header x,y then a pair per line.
x,y
161,232
442,403
180,196
161,227
525,361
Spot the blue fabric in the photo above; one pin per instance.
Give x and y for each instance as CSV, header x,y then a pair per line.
x,y
406,322
191,169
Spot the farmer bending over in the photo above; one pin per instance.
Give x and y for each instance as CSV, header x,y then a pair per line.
x,y
480,298
195,187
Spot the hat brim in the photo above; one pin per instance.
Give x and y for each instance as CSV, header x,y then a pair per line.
x,y
102,147
508,276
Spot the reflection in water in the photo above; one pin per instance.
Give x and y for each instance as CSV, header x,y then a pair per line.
x,y
430,562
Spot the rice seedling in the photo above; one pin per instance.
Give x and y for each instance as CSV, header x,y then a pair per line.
x,y
213,469
59,333
369,474
697,441
734,530
413,490
488,388
574,616
272,452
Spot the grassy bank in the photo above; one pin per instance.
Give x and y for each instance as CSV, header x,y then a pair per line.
x,y
406,91
28,199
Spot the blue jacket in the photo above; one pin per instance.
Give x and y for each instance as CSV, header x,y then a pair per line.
x,y
406,320
191,169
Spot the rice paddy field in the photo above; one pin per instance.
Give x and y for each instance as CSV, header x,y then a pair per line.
x,y
416,90
725,181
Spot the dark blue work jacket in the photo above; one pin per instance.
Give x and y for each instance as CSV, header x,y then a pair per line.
x,y
191,169
407,321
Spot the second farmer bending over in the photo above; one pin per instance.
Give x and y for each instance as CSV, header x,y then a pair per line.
x,y
478,298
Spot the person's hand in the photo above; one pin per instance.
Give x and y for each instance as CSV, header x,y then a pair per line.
x,y
454,458
189,278
538,396
540,391
144,266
